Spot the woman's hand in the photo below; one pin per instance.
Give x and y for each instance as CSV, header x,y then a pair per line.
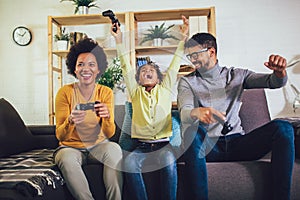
x,y
77,116
102,110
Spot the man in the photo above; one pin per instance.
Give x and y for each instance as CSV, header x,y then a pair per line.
x,y
209,99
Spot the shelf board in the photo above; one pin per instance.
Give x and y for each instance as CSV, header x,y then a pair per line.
x,y
76,20
56,69
161,15
65,53
156,49
61,53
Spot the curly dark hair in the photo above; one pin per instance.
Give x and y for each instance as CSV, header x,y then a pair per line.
x,y
206,40
86,45
156,67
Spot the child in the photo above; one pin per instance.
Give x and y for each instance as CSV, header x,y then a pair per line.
x,y
151,98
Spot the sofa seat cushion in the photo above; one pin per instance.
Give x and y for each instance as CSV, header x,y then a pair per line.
x,y
14,135
30,172
239,180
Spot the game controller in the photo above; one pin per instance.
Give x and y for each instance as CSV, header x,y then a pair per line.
x,y
86,106
226,126
112,17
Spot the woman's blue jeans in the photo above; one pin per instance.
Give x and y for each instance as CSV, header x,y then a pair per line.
x,y
276,136
151,157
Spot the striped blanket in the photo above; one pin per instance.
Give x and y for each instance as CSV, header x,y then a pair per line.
x,y
30,172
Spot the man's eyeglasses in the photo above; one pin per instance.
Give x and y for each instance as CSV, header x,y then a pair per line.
x,y
195,54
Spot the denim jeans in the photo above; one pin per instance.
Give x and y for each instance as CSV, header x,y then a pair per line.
x,y
160,157
276,136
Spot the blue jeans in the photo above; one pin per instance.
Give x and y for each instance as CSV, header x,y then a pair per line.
x,y
276,136
160,157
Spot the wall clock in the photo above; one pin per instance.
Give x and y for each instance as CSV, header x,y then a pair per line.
x,y
22,36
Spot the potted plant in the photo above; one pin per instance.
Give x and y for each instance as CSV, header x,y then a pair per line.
x,y
157,34
82,6
112,77
62,40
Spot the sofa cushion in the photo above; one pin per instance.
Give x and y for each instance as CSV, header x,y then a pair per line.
x,y
14,136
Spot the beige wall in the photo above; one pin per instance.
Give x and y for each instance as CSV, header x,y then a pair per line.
x,y
247,32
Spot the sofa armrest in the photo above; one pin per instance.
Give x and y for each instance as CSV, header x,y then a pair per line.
x,y
44,136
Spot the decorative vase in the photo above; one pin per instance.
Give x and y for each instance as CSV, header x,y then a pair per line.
x,y
83,10
157,42
62,45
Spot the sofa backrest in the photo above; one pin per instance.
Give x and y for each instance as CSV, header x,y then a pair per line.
x,y
14,135
119,116
254,111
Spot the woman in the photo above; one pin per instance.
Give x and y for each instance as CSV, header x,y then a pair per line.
x,y
83,126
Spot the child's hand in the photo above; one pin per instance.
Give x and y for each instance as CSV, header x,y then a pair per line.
x,y
118,34
184,28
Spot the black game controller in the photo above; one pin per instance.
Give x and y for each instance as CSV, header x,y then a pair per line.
x,y
112,17
226,128
85,106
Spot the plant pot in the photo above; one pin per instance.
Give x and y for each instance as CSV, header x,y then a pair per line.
x,y
62,45
83,10
157,42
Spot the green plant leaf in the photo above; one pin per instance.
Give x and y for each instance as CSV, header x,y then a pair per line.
x,y
158,32
78,3
112,75
62,36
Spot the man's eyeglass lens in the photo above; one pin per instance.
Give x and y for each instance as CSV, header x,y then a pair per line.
x,y
195,54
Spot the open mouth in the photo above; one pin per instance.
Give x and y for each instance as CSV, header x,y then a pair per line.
x,y
86,75
148,76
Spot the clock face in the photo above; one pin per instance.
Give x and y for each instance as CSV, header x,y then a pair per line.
x,y
22,36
